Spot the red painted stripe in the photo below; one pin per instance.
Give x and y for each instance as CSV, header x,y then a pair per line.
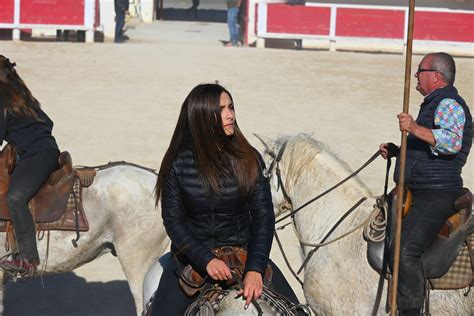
x,y
97,14
370,23
245,22
67,12
256,19
6,11
298,19
444,26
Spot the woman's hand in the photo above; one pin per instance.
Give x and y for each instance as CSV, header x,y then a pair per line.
x,y
253,286
218,270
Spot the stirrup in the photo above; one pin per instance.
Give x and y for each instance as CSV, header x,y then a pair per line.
x,y
15,267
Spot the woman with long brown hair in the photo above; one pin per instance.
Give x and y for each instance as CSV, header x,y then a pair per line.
x,y
24,125
213,194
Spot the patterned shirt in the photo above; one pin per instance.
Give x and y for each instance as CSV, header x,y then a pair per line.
x,y
449,123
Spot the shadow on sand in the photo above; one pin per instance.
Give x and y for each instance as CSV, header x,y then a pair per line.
x,y
72,36
201,15
67,294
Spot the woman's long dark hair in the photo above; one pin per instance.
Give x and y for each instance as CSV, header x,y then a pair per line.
x,y
14,94
217,155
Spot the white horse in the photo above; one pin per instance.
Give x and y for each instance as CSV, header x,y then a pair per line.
x,y
337,279
231,304
120,208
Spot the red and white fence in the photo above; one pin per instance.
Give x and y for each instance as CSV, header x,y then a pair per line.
x,y
82,15
334,23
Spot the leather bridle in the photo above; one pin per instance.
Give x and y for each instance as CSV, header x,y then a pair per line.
x,y
287,200
275,164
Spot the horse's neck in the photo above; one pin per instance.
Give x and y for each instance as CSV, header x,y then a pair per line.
x,y
316,219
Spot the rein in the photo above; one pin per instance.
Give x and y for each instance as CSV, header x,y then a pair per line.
x,y
323,242
112,164
280,182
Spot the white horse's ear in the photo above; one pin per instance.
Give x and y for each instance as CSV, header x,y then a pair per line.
x,y
267,142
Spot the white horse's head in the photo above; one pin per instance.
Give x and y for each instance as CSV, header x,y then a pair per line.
x,y
290,159
270,155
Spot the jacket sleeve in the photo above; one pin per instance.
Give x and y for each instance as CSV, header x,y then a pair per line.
x,y
263,224
174,219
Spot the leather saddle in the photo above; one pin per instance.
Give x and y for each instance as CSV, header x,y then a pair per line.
x,y
191,282
455,234
58,203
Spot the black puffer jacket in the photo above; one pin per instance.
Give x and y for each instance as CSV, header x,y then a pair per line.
x,y
197,222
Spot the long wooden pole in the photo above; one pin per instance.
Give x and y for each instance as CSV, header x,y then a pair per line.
x,y
403,151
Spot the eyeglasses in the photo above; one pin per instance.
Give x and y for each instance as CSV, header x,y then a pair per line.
x,y
427,69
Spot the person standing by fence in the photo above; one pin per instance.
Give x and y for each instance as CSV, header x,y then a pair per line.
x,y
233,7
121,9
193,9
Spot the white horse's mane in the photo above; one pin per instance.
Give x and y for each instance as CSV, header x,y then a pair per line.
x,y
304,148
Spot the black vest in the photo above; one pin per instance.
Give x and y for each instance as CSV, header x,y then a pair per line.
x,y
424,170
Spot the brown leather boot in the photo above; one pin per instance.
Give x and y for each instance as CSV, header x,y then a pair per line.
x,y
16,267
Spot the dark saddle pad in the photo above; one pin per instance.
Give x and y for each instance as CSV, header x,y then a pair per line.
x,y
58,203
445,250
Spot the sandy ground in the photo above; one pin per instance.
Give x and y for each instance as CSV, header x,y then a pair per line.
x,y
120,102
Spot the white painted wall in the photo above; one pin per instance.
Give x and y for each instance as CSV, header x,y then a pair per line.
x,y
107,17
148,9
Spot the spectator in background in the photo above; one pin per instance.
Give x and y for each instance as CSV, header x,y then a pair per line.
x,y
121,9
233,7
193,9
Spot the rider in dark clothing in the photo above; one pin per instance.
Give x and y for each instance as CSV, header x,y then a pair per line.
x,y
213,194
438,145
25,126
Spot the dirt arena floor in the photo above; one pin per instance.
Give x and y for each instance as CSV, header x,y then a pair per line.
x,y
120,102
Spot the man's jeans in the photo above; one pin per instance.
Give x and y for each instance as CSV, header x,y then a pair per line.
x,y
419,229
232,14
119,24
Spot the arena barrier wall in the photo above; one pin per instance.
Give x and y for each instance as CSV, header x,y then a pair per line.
x,y
52,14
340,26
